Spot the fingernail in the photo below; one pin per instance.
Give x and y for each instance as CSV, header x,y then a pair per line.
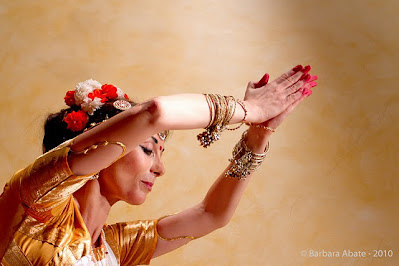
x,y
262,82
297,68
307,78
307,69
313,84
305,91
309,93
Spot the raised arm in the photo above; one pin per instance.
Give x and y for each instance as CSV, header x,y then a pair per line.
x,y
222,199
133,126
182,111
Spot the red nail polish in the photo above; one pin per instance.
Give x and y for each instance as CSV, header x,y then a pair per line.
x,y
263,81
307,69
313,84
309,93
305,76
305,91
297,68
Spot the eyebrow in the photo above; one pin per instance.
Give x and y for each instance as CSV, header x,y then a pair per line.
x,y
154,139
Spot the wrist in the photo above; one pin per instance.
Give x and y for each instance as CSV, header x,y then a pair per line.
x,y
250,112
257,139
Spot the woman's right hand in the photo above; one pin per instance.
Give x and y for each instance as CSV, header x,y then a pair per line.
x,y
267,101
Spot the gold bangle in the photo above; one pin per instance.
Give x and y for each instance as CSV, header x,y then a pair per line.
x,y
173,238
211,110
224,109
231,105
244,160
261,126
245,115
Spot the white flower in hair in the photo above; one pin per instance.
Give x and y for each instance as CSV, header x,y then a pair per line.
x,y
90,95
93,83
83,89
90,105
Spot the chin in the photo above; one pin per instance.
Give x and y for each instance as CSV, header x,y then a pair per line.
x,y
136,199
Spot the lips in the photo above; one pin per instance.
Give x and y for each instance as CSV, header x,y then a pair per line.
x,y
148,185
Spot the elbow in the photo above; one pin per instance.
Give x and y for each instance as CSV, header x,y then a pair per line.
x,y
221,221
153,109
216,219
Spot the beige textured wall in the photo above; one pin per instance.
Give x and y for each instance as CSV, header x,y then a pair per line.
x,y
331,180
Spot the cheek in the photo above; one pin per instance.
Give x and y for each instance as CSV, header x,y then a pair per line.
x,y
128,172
135,162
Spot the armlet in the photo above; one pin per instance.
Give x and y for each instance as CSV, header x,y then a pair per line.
x,y
103,144
173,238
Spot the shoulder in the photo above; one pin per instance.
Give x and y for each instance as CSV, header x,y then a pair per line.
x,y
133,242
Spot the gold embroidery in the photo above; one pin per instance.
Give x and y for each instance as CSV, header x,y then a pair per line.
x,y
14,256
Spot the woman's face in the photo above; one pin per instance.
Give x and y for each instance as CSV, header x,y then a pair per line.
x,y
132,177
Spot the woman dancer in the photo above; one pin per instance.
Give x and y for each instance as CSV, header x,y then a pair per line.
x,y
105,149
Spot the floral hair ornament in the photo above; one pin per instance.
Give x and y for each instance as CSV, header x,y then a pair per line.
x,y
89,95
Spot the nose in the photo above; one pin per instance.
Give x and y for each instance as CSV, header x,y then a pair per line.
x,y
158,168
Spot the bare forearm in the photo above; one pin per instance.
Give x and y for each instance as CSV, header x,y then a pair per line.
x,y
225,194
188,111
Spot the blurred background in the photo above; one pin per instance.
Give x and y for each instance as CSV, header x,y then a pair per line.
x,y
330,181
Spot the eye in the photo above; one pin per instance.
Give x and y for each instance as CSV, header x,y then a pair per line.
x,y
146,151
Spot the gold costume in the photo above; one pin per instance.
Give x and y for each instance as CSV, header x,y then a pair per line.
x,y
42,225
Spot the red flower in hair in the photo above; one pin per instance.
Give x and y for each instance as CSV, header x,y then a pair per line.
x,y
97,93
76,120
70,98
109,91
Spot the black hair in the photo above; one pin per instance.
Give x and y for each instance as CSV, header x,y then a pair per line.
x,y
56,131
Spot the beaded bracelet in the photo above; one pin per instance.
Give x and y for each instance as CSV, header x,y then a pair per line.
x,y
260,126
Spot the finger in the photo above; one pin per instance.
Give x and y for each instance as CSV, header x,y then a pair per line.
x,y
262,82
307,89
289,81
313,78
312,84
294,87
307,92
294,97
300,85
288,74
292,106
251,85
